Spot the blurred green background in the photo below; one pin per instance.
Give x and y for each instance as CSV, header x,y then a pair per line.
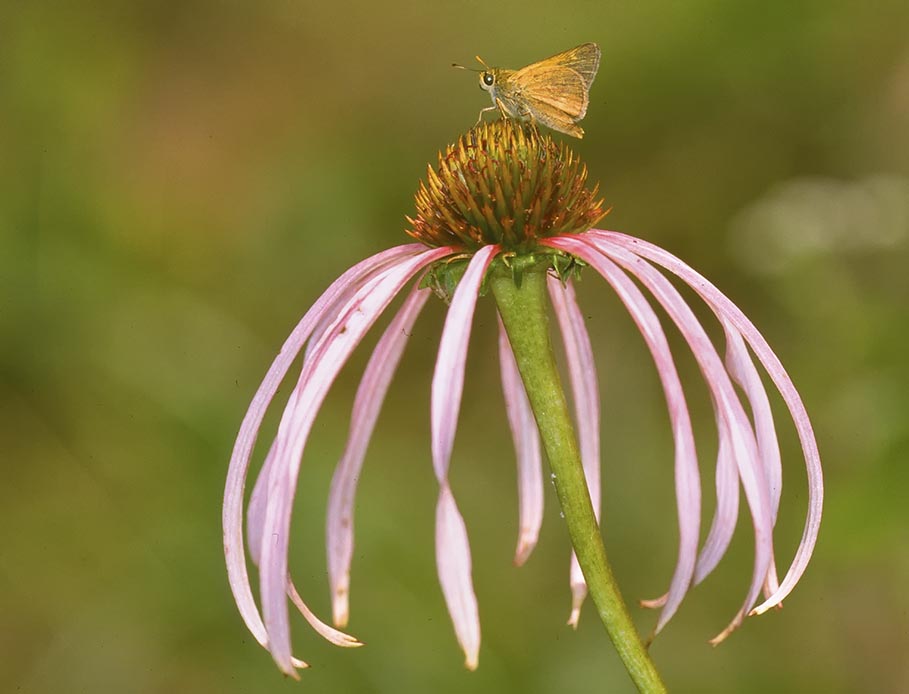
x,y
179,181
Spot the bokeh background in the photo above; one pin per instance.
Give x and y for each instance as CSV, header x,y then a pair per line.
x,y
179,181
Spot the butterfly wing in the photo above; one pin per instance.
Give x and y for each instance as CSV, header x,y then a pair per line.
x,y
583,59
553,117
556,89
557,86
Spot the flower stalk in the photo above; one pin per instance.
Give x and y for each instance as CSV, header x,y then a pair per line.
x,y
524,314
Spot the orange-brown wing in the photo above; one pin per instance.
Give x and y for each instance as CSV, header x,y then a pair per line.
x,y
583,59
557,86
553,117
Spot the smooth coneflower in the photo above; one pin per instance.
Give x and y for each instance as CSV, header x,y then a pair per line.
x,y
507,212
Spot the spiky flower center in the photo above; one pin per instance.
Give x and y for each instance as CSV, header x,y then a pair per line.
x,y
504,182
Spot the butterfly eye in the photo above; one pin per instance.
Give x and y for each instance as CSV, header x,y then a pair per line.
x,y
488,79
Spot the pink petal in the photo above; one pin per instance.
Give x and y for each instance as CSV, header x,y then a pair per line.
x,y
527,448
452,551
448,377
583,375
727,509
370,396
255,512
738,427
686,470
744,373
454,566
727,479
725,309
327,358
232,515
338,638
578,591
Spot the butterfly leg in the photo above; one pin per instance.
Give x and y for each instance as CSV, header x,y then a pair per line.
x,y
482,111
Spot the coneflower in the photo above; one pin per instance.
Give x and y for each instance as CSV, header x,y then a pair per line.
x,y
507,212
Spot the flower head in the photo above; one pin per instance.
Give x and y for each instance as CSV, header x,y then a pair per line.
x,y
506,200
504,183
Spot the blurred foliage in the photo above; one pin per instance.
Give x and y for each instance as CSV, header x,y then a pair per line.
x,y
178,181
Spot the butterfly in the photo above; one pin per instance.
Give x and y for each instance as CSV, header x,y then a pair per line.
x,y
553,91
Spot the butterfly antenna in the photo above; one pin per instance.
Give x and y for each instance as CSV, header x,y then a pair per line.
x,y
461,67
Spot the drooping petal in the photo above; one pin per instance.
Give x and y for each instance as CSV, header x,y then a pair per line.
x,y
452,549
527,449
585,390
727,509
235,484
454,567
744,373
725,309
255,511
725,516
727,479
370,396
319,371
448,377
578,591
738,427
338,638
687,478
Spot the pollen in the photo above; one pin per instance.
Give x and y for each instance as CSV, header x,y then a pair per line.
x,y
503,182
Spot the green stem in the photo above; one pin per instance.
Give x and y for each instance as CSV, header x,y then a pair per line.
x,y
524,313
